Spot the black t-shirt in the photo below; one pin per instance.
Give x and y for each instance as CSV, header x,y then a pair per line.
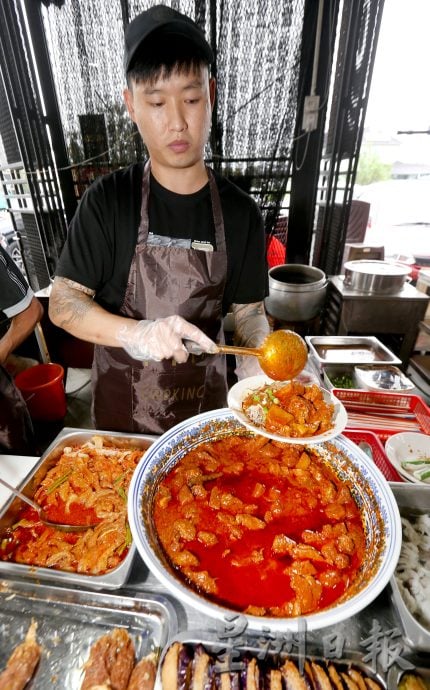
x,y
103,233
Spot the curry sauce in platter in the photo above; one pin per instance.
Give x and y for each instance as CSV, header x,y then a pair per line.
x,y
263,527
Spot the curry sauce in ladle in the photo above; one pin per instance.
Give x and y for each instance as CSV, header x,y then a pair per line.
x,y
282,355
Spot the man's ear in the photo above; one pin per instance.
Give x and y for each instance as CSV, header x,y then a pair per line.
x,y
212,90
128,100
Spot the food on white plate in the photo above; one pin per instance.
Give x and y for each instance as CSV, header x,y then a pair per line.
x,y
88,485
192,666
413,568
22,663
112,665
242,510
290,409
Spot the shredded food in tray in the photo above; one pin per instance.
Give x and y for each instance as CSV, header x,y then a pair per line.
x,y
88,485
264,526
413,568
290,409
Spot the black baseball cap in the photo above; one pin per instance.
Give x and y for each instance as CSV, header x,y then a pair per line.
x,y
168,19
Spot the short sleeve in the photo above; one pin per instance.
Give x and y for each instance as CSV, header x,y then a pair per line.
x,y
15,293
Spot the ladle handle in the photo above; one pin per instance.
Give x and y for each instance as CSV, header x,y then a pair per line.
x,y
19,494
195,349
233,350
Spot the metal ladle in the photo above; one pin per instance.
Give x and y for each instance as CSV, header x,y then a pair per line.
x,y
41,512
282,355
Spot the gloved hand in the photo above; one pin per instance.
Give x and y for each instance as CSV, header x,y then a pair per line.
x,y
162,339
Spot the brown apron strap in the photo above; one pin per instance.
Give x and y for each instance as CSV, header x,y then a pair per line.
x,y
143,232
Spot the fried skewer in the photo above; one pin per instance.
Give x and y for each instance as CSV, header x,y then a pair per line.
x,y
22,663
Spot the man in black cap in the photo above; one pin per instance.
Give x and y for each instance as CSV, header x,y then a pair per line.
x,y
158,253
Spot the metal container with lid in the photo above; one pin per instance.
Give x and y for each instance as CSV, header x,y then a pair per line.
x,y
296,292
375,277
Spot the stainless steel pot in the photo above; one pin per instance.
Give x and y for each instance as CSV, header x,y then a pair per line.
x,y
296,292
375,277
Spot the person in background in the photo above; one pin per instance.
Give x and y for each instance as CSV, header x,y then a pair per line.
x,y
20,311
158,253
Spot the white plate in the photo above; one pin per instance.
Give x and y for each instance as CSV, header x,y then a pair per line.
x,y
408,445
242,389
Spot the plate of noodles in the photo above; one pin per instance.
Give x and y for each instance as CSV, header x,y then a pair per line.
x,y
293,411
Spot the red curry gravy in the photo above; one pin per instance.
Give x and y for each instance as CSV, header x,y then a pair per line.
x,y
260,526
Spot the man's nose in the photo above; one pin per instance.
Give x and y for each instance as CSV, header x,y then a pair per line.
x,y
177,121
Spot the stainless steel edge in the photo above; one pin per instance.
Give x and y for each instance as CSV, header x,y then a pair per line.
x,y
114,579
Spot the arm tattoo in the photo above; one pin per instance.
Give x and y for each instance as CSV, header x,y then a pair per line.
x,y
77,286
251,325
72,301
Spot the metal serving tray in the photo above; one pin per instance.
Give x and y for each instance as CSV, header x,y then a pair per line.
x,y
68,436
411,498
70,621
349,349
228,653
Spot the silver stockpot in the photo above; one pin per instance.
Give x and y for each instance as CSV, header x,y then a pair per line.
x,y
296,292
375,277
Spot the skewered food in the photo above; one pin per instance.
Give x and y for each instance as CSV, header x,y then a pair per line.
x,y
22,662
143,675
111,665
242,510
88,485
191,666
291,409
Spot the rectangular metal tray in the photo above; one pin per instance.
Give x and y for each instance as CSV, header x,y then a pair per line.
x,y
349,349
410,498
68,436
229,652
332,372
70,621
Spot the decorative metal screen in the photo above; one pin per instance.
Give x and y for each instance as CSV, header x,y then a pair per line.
x,y
257,49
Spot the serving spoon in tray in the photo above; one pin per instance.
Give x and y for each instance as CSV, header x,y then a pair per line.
x,y
42,514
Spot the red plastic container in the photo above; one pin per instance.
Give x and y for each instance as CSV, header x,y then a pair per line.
x,y
378,452
42,388
384,413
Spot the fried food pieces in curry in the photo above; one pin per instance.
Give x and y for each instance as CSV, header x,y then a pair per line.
x,y
245,510
22,663
291,409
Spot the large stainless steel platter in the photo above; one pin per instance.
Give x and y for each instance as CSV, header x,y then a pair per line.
x,y
69,621
68,436
349,349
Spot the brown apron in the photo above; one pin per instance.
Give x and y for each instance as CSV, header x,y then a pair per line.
x,y
151,397
16,428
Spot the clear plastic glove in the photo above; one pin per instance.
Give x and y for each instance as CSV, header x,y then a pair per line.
x,y
162,339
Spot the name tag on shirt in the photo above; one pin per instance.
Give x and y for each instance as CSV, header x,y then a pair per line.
x,y
202,246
